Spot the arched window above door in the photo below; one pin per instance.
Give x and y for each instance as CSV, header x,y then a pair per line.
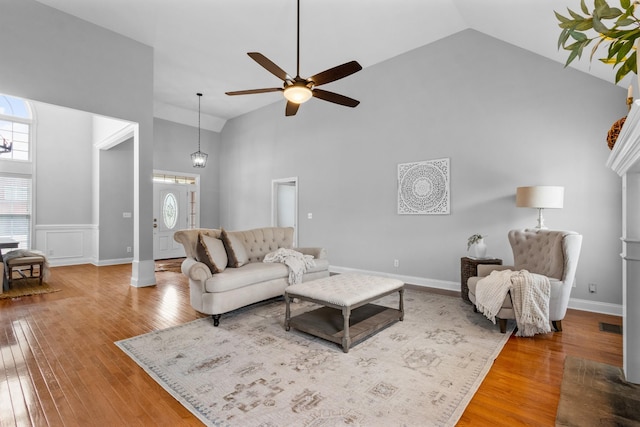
x,y
15,128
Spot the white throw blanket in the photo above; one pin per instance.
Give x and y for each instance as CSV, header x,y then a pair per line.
x,y
529,294
297,262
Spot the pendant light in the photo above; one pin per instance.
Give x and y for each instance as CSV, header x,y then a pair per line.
x,y
199,159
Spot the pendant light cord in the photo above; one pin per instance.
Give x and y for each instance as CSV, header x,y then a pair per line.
x,y
199,98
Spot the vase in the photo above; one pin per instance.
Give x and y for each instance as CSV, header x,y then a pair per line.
x,y
480,248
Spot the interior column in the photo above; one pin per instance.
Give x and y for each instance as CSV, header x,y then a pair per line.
x,y
631,276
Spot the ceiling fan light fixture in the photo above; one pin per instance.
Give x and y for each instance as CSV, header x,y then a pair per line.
x,y
298,94
299,90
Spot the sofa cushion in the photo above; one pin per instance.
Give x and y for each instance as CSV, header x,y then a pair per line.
x,y
250,274
189,239
236,252
211,251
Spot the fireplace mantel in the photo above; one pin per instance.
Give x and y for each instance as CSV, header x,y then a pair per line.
x,y
625,156
625,161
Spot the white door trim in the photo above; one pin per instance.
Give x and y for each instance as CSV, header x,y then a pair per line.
x,y
188,187
274,203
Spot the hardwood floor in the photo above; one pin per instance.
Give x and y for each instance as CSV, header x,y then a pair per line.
x,y
61,368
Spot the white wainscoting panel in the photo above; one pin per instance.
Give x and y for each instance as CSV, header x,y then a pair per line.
x,y
67,244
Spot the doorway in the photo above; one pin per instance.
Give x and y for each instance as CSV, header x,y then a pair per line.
x,y
175,207
284,204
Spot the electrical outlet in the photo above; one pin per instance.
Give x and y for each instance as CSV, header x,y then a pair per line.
x,y
396,263
128,249
593,289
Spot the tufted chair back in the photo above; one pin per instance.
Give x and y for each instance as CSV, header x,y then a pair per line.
x,y
260,241
548,252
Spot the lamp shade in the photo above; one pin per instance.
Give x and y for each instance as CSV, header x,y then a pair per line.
x,y
541,196
297,93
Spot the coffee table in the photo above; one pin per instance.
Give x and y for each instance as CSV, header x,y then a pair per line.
x,y
347,315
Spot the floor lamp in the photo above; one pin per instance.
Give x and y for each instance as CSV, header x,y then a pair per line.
x,y
540,197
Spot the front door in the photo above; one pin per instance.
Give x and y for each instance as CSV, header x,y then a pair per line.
x,y
170,214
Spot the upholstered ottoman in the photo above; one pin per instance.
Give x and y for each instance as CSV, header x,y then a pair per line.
x,y
346,315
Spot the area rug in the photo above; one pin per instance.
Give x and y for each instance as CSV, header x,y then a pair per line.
x,y
249,371
596,394
27,287
169,265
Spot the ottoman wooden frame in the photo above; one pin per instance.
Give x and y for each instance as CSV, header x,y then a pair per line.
x,y
346,315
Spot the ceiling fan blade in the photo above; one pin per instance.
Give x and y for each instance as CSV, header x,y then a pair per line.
x,y
336,98
292,109
335,73
269,65
251,91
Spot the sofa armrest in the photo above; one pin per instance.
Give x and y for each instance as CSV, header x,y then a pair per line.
x,y
195,270
317,253
486,269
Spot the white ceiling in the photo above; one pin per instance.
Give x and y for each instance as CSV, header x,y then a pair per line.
x,y
201,45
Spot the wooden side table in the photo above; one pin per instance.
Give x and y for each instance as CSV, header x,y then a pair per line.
x,y
469,268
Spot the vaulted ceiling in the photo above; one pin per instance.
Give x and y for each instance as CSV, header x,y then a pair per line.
x,y
201,45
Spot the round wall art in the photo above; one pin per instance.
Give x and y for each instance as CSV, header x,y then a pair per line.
x,y
423,187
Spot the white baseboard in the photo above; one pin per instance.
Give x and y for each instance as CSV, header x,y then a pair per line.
x,y
596,306
574,303
412,280
116,261
61,262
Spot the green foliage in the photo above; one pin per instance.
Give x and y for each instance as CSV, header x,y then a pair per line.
x,y
473,239
620,35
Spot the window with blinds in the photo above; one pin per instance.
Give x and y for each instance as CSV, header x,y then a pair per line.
x,y
15,209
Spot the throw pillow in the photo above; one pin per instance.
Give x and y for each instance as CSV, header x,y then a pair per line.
x,y
210,251
236,253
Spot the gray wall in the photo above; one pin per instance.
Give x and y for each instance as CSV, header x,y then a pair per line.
x,y
116,197
55,58
63,166
504,116
173,145
64,173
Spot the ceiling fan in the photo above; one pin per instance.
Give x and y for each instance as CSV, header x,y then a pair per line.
x,y
298,90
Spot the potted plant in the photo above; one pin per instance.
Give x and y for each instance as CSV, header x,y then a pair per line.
x,y
473,239
617,28
477,241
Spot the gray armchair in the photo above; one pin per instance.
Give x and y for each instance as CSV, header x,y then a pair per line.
x,y
551,253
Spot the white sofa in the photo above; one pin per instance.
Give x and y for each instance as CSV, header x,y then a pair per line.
x,y
245,279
